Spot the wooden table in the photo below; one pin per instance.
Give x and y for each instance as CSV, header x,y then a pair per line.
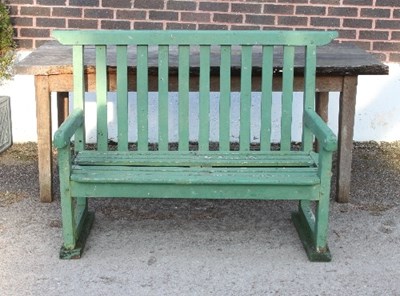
x,y
338,67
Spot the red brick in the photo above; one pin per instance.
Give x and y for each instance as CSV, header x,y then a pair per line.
x,y
357,23
244,27
13,10
395,35
147,26
196,17
292,21
22,21
181,26
347,34
98,13
212,27
213,6
24,43
29,32
390,3
163,15
51,2
274,28
310,10
375,13
246,8
116,3
35,11
259,19
387,24
82,24
342,11
228,18
387,46
358,2
330,2
93,3
181,5
325,22
66,11
115,25
292,1
374,35
278,9
50,22
131,14
150,4
21,1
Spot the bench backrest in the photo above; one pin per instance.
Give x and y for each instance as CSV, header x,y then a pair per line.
x,y
181,44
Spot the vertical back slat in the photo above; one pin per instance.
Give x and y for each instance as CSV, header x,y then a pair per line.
x,y
142,97
225,98
245,98
183,93
163,62
101,95
122,97
266,97
79,92
287,97
204,97
309,91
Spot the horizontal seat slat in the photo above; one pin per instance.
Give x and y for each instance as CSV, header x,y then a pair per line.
x,y
190,175
196,159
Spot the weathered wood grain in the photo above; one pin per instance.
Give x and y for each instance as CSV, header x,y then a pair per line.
x,y
43,115
333,59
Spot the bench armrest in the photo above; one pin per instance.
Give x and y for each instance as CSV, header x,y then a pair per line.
x,y
64,133
320,129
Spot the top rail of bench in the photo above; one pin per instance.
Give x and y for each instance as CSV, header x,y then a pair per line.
x,y
201,37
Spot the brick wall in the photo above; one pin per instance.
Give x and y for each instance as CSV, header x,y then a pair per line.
x,y
372,24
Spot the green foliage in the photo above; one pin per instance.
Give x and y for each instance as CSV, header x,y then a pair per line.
x,y
7,44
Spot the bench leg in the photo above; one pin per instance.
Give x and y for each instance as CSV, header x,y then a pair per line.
x,y
77,221
313,229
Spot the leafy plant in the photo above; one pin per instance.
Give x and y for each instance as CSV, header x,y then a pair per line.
x,y
7,44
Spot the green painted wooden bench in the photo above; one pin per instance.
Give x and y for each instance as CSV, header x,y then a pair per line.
x,y
249,172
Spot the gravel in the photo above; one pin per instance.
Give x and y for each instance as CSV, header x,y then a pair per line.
x,y
202,247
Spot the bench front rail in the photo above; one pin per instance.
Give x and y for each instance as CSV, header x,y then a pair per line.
x,y
225,171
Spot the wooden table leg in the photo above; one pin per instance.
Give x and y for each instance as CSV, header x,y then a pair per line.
x,y
321,104
347,104
62,106
43,115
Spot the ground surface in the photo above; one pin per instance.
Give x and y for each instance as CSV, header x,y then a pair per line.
x,y
182,247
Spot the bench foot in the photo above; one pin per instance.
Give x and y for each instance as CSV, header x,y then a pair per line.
x,y
307,240
76,253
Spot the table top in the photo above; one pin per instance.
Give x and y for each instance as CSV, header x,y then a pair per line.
x,y
52,58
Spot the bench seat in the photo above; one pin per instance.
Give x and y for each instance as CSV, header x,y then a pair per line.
x,y
210,174
195,168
